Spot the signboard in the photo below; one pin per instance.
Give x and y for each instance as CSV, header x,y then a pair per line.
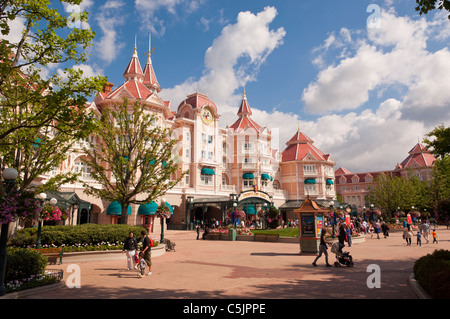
x,y
255,193
347,219
319,225
408,217
307,225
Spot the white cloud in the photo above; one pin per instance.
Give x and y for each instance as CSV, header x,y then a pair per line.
x,y
110,18
148,10
233,59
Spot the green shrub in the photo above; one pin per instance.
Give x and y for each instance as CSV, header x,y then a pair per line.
x,y
24,263
76,236
432,272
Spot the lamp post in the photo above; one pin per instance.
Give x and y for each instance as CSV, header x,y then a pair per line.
x,y
233,214
265,214
41,197
333,222
9,175
190,201
371,214
163,202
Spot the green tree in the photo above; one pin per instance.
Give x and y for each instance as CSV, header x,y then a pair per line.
x,y
440,144
131,157
42,117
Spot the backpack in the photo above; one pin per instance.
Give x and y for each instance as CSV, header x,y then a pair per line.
x,y
152,243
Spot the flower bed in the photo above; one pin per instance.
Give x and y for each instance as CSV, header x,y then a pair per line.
x,y
224,231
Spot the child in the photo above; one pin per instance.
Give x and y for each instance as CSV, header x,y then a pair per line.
x,y
141,264
434,236
419,242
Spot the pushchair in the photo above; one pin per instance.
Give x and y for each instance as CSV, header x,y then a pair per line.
x,y
343,258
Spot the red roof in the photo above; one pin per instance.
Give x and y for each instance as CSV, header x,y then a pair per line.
x,y
133,68
342,171
418,155
299,146
150,76
198,100
135,88
244,120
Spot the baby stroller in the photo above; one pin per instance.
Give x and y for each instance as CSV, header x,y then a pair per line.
x,y
343,258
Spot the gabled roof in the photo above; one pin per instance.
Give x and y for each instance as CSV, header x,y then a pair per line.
x,y
198,100
244,120
342,171
419,156
300,147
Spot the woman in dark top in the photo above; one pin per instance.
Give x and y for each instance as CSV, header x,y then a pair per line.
x,y
146,249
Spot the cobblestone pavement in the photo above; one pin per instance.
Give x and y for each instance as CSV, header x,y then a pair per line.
x,y
205,269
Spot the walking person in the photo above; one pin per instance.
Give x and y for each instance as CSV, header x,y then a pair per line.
x,y
130,246
198,231
146,250
322,250
434,236
419,241
426,230
408,235
348,233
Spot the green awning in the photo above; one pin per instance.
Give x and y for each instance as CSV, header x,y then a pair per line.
x,y
310,181
265,176
148,209
115,209
330,182
208,171
248,176
250,209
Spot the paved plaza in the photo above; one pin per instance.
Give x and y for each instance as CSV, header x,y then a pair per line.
x,y
206,269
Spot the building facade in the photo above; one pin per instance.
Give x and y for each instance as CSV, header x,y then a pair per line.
x,y
353,187
227,165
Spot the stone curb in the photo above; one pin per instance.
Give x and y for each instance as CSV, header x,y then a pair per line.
x,y
417,288
32,291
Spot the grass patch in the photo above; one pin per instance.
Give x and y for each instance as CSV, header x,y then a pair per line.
x,y
282,232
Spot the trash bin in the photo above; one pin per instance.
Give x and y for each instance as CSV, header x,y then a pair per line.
x,y
232,234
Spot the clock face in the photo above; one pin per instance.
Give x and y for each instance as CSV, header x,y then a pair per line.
x,y
207,116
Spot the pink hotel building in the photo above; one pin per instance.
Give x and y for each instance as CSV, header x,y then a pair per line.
x,y
227,165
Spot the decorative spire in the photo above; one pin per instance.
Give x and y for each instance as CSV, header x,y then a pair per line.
x,y
134,70
150,80
244,109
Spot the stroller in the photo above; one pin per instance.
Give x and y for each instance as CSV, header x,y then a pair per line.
x,y
343,258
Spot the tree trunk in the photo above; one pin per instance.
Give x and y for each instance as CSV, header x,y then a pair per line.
x,y
124,215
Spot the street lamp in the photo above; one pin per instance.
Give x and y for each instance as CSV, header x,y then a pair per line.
x,y
333,222
163,202
9,175
190,201
41,197
371,214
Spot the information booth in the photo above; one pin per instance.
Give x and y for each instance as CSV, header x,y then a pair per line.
x,y
311,219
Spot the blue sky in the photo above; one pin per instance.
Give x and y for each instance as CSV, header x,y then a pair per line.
x,y
364,93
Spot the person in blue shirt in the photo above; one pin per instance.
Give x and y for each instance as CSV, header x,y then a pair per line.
x,y
419,241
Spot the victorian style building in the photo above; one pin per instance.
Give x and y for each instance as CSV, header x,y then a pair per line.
x,y
228,166
353,187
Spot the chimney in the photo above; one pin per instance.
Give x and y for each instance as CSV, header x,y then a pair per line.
x,y
107,87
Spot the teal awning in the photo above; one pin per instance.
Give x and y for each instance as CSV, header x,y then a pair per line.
x,y
310,181
115,209
248,176
250,209
265,176
208,171
148,209
330,182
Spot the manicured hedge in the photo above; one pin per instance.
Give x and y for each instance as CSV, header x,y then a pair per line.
x,y
76,236
433,273
24,263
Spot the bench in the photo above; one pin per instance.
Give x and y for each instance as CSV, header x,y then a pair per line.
x,y
52,254
266,237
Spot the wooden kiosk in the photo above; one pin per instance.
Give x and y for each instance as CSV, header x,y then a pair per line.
x,y
311,219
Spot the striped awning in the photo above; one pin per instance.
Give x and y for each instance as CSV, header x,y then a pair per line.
x,y
115,209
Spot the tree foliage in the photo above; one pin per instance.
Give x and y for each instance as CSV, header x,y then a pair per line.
x,y
131,157
438,141
41,117
423,6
